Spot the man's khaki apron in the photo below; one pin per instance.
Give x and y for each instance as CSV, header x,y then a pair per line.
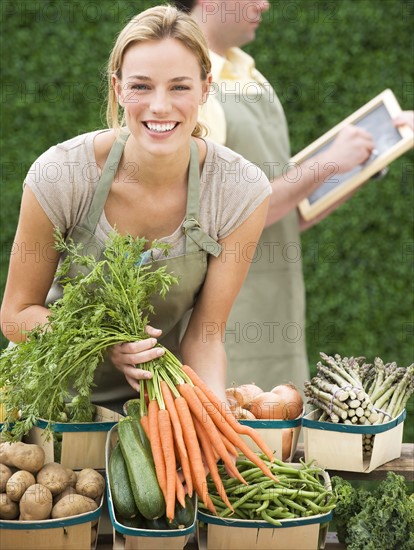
x,y
190,269
265,339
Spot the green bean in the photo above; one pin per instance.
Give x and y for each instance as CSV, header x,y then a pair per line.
x,y
330,505
311,480
246,497
249,506
278,502
289,482
269,519
241,514
217,501
314,507
295,505
286,492
321,497
276,469
246,488
264,479
275,460
254,477
247,472
262,507
242,489
244,463
228,483
300,492
281,513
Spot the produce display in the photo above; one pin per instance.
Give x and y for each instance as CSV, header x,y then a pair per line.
x,y
348,390
298,493
31,490
178,442
379,520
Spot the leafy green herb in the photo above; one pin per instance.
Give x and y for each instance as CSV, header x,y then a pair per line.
x,y
349,503
108,302
381,520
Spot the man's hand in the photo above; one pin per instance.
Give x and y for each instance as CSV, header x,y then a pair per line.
x,y
353,146
406,118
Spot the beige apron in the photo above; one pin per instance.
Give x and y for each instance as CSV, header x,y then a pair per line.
x,y
190,269
265,338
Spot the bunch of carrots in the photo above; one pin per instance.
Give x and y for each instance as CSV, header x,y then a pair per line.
x,y
186,422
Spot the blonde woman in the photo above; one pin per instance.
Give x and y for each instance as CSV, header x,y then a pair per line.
x,y
149,174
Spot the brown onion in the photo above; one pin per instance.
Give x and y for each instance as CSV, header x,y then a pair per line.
x,y
267,406
243,414
243,394
293,402
231,400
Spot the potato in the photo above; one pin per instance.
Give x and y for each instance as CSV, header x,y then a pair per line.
x,y
5,475
8,508
68,491
18,483
23,456
90,483
73,477
36,503
54,476
72,505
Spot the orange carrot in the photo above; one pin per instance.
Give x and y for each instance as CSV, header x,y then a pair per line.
x,y
211,462
144,424
202,493
179,489
227,414
178,435
167,443
231,434
229,446
199,411
193,450
156,446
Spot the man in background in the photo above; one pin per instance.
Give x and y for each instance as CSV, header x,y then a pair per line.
x,y
265,338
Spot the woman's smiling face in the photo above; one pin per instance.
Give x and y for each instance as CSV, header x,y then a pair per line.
x,y
161,90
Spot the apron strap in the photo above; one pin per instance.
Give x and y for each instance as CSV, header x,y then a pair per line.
x,y
196,238
105,182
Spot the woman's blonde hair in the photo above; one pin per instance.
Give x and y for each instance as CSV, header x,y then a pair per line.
x,y
156,23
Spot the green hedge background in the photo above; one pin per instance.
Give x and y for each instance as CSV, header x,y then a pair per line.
x,y
325,59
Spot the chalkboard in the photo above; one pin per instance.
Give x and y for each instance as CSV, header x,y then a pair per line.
x,y
390,143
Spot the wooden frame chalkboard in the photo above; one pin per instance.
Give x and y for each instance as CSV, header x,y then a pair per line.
x,y
390,143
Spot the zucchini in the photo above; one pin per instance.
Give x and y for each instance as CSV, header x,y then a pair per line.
x,y
159,524
121,492
137,522
141,471
183,517
133,409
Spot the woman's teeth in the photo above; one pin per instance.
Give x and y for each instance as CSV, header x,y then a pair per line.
x,y
165,127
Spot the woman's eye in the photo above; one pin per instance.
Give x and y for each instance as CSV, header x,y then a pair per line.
x,y
181,87
139,87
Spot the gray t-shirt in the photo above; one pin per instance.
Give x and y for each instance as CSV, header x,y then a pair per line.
x,y
65,177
